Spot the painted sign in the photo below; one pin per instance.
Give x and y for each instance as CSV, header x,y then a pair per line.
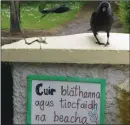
x,y
65,100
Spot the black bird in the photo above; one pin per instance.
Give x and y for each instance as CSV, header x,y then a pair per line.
x,y
59,9
102,20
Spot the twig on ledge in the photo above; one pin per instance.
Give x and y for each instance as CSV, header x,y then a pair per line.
x,y
40,40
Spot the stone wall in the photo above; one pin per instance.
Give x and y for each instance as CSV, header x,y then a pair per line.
x,y
112,73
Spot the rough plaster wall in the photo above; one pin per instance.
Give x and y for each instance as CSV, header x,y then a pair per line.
x,y
113,74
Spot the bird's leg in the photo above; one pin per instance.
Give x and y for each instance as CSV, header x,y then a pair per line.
x,y
107,39
98,42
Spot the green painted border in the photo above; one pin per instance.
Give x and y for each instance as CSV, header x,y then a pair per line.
x,y
69,79
29,100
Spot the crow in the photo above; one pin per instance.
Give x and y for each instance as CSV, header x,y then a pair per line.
x,y
102,20
59,9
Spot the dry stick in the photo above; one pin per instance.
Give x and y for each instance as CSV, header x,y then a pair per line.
x,y
44,41
43,16
34,40
39,41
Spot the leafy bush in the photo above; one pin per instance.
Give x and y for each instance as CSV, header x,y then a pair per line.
x,y
124,13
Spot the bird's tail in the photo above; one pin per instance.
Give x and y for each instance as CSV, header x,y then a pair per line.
x,y
89,29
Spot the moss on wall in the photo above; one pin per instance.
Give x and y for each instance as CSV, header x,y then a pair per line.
x,y
123,100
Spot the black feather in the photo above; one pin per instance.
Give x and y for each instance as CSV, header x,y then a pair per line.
x,y
60,9
102,20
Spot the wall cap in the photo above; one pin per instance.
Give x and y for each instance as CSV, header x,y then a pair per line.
x,y
76,48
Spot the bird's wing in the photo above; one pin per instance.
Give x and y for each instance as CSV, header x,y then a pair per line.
x,y
92,19
60,9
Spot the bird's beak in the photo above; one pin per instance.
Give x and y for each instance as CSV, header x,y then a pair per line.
x,y
103,9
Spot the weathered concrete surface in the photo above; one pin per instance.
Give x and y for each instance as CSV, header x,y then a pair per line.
x,y
112,73
77,48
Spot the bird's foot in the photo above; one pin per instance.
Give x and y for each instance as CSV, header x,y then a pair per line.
x,y
106,44
100,43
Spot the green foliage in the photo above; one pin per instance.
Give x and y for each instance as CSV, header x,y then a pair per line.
x,y
30,16
124,13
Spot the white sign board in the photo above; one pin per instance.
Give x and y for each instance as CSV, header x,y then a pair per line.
x,y
65,100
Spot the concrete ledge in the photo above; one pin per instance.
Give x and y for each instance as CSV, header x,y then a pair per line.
x,y
77,48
